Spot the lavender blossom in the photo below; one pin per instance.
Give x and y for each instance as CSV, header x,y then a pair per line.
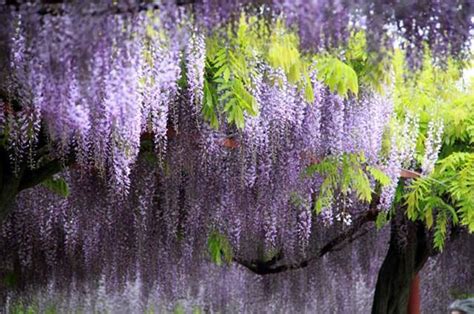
x,y
432,146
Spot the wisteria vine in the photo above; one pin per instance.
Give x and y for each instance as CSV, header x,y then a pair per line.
x,y
180,143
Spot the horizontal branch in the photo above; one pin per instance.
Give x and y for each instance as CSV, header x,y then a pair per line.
x,y
350,233
271,267
33,177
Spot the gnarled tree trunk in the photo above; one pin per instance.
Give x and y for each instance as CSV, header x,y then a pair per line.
x,y
408,252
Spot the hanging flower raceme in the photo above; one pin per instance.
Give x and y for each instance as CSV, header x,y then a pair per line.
x,y
96,88
432,145
161,72
402,155
124,65
195,62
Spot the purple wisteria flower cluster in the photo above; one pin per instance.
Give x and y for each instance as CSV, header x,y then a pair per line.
x,y
93,253
252,191
432,145
248,184
95,89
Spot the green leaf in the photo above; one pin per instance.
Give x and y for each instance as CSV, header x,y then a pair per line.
x,y
416,197
341,174
324,200
209,105
428,216
337,75
57,185
219,248
379,176
308,90
381,220
440,231
227,85
226,74
238,117
362,186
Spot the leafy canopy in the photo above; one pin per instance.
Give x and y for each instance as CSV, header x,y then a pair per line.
x,y
232,66
445,196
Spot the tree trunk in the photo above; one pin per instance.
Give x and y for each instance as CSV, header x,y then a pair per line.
x,y
408,251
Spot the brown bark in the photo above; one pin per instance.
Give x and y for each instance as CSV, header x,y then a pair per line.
x,y
408,251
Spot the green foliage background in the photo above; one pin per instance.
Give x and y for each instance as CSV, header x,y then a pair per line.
x,y
446,196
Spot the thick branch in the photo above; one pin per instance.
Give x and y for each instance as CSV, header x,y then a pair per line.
x,y
13,183
271,267
349,234
34,177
